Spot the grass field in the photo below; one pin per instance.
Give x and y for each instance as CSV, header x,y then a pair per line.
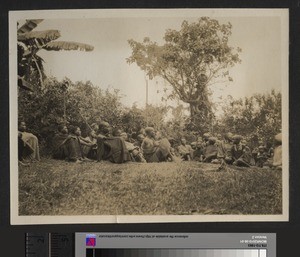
x,y
52,187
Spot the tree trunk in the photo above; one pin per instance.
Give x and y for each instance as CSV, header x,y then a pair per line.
x,y
40,72
201,116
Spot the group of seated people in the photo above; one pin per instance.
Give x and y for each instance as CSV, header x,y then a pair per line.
x,y
104,143
231,149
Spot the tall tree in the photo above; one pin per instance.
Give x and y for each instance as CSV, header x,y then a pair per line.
x,y
30,64
191,59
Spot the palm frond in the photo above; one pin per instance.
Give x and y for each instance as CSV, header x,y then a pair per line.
x,y
29,26
45,36
63,45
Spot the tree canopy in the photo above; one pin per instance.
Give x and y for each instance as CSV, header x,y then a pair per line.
x,y
257,117
191,59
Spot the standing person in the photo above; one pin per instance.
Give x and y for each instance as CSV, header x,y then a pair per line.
x,y
30,148
185,150
156,150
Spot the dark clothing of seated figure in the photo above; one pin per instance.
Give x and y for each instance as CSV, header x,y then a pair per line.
x,y
198,153
66,147
241,155
261,157
109,147
185,151
210,152
224,152
112,149
156,150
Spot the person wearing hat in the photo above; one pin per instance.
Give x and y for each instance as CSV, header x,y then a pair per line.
x,y
241,153
156,150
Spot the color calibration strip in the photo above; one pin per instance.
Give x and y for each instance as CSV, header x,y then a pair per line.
x,y
49,244
92,252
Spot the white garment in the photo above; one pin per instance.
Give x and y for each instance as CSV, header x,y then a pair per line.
x,y
32,141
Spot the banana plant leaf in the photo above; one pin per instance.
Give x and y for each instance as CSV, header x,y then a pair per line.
x,y
63,45
29,26
46,36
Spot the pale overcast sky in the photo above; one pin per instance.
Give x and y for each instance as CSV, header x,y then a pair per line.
x,y
258,37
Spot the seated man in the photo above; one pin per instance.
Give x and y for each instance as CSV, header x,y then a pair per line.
x,y
224,149
22,150
198,153
261,157
154,150
66,147
256,150
210,152
134,151
185,150
206,136
28,144
109,147
139,140
241,153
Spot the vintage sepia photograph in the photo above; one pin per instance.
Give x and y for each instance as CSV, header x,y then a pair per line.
x,y
146,115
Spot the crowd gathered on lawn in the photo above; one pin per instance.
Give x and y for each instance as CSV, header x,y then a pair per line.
x,y
103,143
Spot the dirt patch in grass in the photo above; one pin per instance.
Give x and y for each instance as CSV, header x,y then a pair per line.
x,y
52,187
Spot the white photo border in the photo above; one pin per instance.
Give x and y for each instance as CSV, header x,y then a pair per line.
x,y
14,16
